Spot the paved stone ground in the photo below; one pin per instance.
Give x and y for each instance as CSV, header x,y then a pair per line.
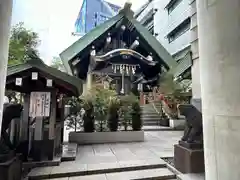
x,y
157,144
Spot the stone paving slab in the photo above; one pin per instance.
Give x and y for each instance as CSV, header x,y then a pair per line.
x,y
162,173
92,177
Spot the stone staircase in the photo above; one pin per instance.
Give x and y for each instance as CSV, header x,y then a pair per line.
x,y
152,118
149,115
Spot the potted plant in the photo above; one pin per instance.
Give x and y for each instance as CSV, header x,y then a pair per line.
x,y
126,110
113,116
73,120
136,116
101,102
88,118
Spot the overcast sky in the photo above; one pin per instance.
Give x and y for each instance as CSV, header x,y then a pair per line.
x,y
54,21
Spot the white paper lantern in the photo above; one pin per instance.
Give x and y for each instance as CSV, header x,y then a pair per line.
x,y
34,76
18,82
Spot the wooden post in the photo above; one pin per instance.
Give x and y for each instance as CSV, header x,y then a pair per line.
x,y
38,129
5,16
24,127
89,80
52,120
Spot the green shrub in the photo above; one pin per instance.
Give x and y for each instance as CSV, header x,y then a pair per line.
x,y
136,116
126,110
73,119
113,116
88,118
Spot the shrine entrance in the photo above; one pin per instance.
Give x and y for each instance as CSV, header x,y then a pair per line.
x,y
122,49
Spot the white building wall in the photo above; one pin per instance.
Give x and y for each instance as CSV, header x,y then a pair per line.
x,y
164,23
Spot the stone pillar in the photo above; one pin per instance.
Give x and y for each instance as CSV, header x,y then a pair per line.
x,y
89,81
5,16
219,43
84,88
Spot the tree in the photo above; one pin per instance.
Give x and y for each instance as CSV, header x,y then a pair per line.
x,y
22,45
57,63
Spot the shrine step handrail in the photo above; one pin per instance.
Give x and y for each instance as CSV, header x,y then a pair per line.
x,y
158,96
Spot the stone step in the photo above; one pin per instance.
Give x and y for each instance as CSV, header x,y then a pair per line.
x,y
151,123
150,115
151,118
69,152
156,128
160,174
33,164
70,169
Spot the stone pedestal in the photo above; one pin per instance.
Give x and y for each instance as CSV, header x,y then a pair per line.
x,y
43,150
23,149
10,167
188,160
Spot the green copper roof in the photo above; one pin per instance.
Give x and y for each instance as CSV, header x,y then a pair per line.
x,y
126,13
87,39
73,82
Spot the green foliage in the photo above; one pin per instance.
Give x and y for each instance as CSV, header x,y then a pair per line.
x,y
57,63
100,98
22,45
126,110
167,85
74,119
88,118
175,93
113,116
136,116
